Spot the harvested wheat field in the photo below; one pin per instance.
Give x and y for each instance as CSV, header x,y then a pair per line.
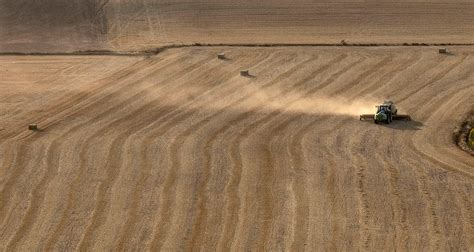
x,y
146,141
179,152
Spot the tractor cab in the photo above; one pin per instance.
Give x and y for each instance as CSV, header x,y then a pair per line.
x,y
383,109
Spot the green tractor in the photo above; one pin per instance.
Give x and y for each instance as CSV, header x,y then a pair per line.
x,y
386,113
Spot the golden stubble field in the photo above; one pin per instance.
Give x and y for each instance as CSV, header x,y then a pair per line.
x,y
178,152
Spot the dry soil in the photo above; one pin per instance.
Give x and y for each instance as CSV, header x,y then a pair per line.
x,y
179,152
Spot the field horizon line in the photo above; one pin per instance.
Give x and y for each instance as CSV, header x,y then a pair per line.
x,y
157,50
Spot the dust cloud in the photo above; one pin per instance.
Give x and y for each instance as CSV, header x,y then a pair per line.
x,y
301,102
330,105
289,101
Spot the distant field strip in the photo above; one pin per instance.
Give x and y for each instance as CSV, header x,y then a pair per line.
x,y
139,25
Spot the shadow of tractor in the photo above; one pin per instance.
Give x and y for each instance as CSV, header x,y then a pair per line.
x,y
400,124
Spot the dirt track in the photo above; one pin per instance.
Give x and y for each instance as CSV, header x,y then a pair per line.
x,y
178,151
